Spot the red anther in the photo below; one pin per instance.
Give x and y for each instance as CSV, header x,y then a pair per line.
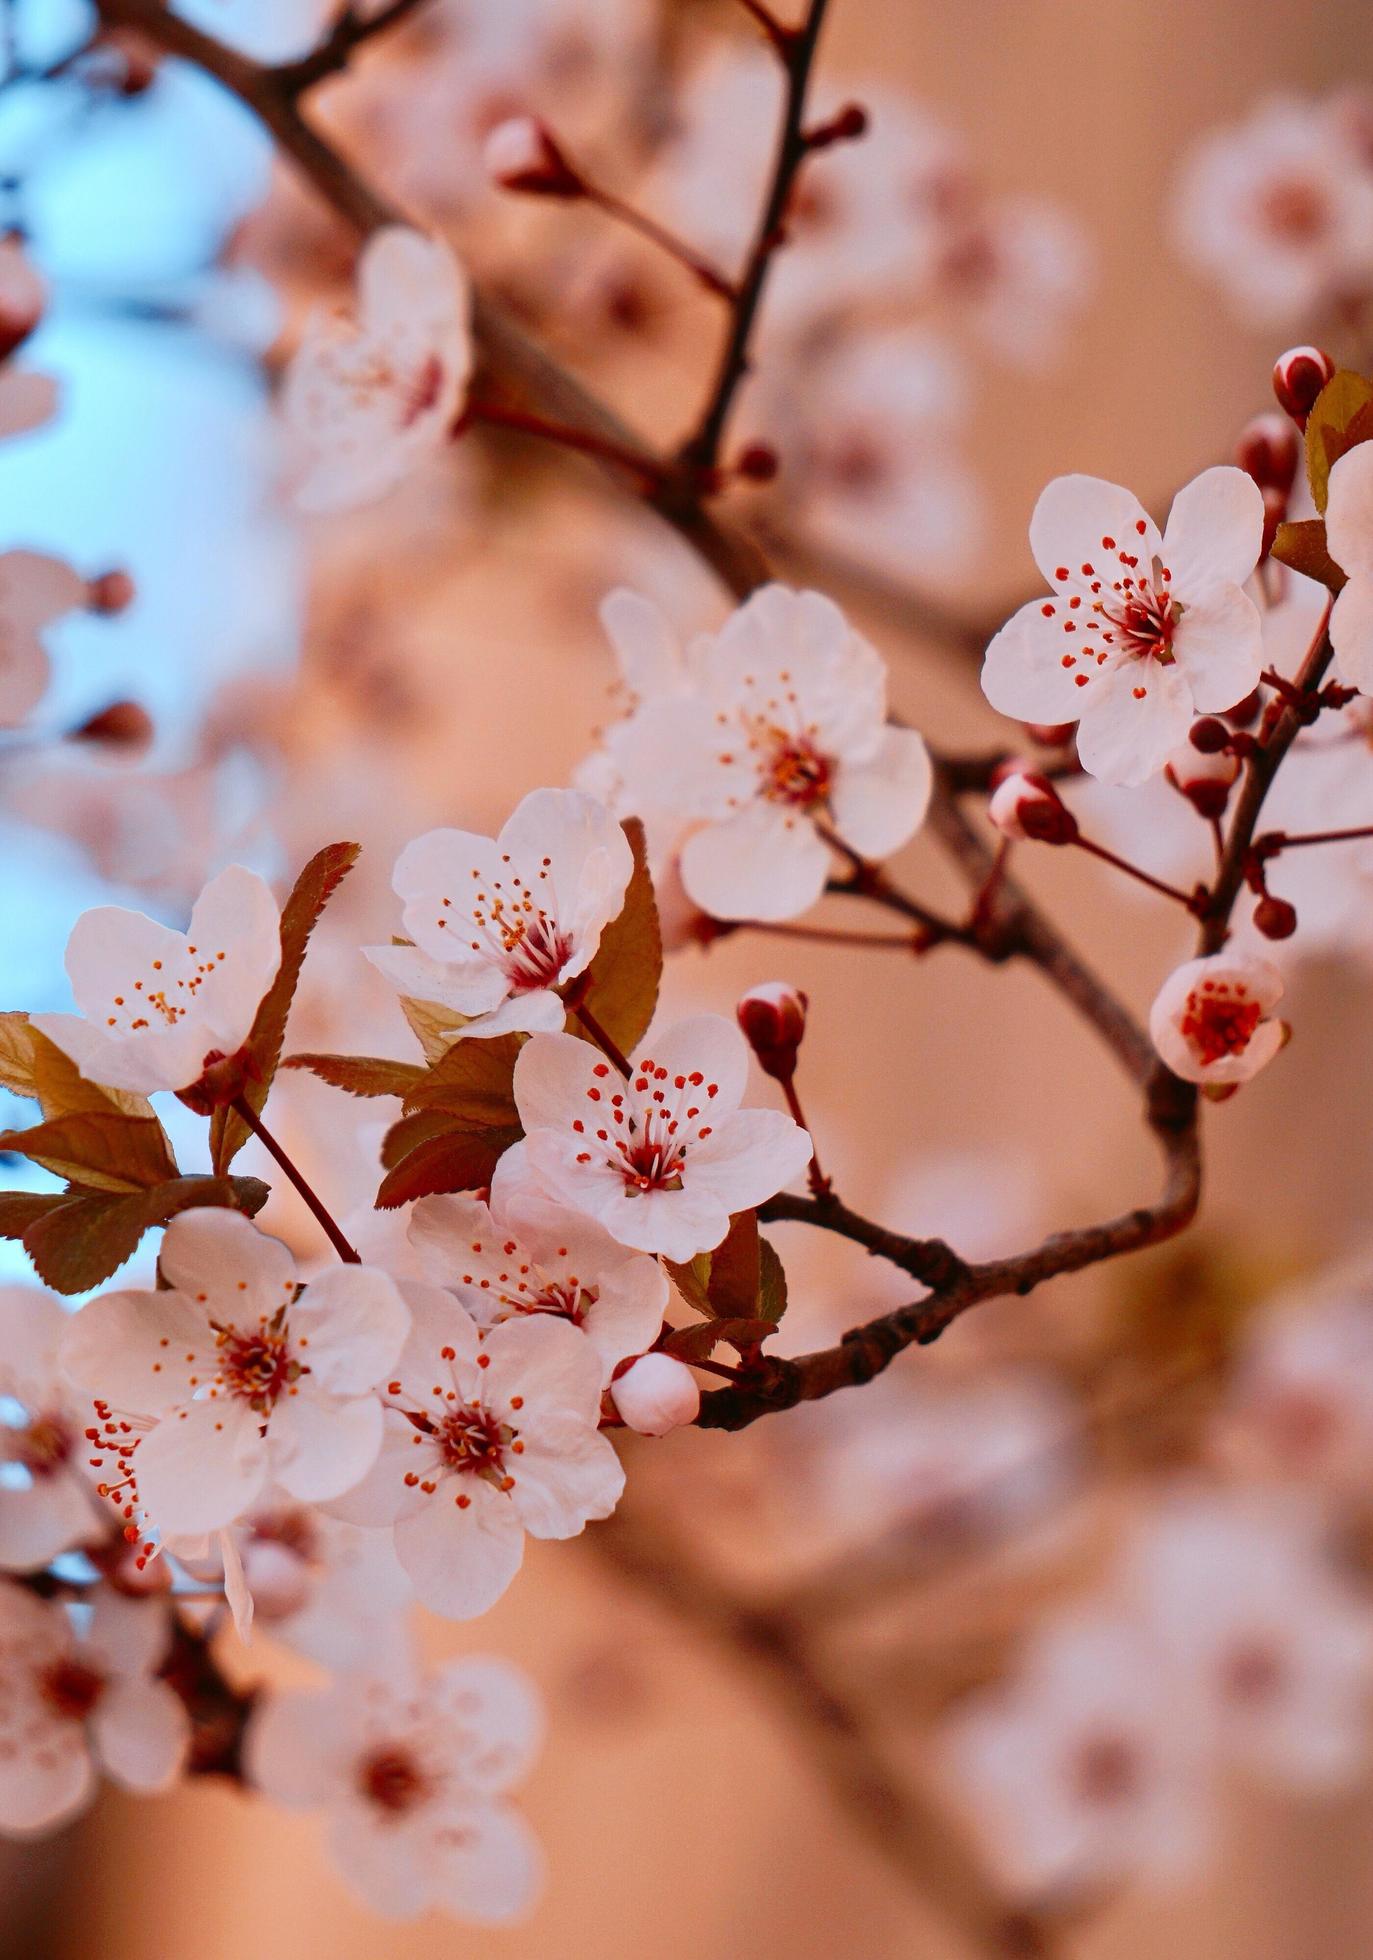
x,y
1298,377
1275,918
1269,450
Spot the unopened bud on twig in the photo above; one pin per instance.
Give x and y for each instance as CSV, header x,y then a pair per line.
x,y
758,463
1269,450
655,1394
123,725
1027,807
850,123
521,155
1298,377
1205,776
112,592
1275,918
773,1018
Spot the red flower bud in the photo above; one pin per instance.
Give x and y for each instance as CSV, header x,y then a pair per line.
x,y
123,725
112,592
773,1018
521,155
850,123
1026,806
1051,734
1269,451
758,463
1205,776
1298,377
1275,918
1209,735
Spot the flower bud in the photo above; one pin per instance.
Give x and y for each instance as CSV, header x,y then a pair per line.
x,y
123,725
850,123
759,463
655,1394
1298,377
23,296
1269,450
773,1018
1204,776
1209,735
521,155
1026,806
1275,918
111,593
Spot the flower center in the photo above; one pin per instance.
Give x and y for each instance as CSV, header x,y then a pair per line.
x,y
165,994
1145,621
257,1366
1107,1770
513,931
473,1441
647,1127
392,1780
70,1688
1219,1021
796,773
1252,1673
1295,211
42,1447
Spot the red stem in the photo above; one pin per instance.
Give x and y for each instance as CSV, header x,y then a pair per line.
x,y
498,415
345,1251
676,248
1134,871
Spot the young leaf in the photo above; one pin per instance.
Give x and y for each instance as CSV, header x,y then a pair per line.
x,y
16,1055
696,1342
474,1080
361,1075
102,1149
772,1283
434,1027
735,1270
692,1281
454,1159
312,891
1341,419
622,979
1302,546
79,1237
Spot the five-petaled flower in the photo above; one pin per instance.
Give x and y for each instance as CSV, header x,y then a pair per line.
x,y
488,1436
412,1775
767,737
233,1376
1141,632
367,397
160,1006
46,1502
1212,1019
662,1159
499,923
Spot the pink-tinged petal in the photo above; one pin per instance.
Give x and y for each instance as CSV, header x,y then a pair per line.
x,y
558,1165
460,1557
487,1866
1074,518
879,804
1349,512
322,1445
553,1074
544,1362
389,1866
349,1327
753,1155
1351,631
1034,670
566,1476
382,1495
404,276
767,862
645,645
707,1044
36,589
1214,534
500,1715
32,1325
1139,713
202,1466
540,1012
237,916
143,1353
153,1059
293,1752
220,1260
109,942
437,1323
454,1237
675,1224
1219,646
128,1636
142,1734
24,671
574,840
27,400
466,986
42,1788
53,1515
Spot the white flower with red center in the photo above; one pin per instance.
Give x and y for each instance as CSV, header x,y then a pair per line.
x,y
1212,1020
1083,1770
159,1006
523,1255
35,591
489,1435
1141,632
368,396
664,1159
47,1503
234,1377
1300,1403
765,736
1279,209
499,923
72,1708
412,1775
1349,539
1273,1652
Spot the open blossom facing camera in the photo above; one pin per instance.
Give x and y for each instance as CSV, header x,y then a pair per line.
x,y
159,1006
499,923
488,1436
764,735
1141,632
523,1255
664,1159
412,1776
71,1707
1212,1019
367,397
234,1377
46,1501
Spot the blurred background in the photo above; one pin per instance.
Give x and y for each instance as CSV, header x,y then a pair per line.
x,y
431,659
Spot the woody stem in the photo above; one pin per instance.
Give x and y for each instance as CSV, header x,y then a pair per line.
x,y
244,1109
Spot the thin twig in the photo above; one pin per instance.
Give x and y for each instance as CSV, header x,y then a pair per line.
x,y
244,1109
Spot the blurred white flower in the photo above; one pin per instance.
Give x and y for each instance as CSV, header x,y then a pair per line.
x,y
46,1493
35,591
1300,1403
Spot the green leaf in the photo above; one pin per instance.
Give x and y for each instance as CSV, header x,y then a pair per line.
x,y
1341,419
312,891
361,1075
102,1149
622,979
1302,547
79,1237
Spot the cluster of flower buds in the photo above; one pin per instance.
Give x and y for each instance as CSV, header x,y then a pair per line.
x,y
1298,377
1025,806
773,1018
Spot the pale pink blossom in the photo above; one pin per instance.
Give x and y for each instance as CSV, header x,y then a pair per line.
x,y
1349,538
369,395
27,400
1300,1403
1018,268
23,295
72,1708
664,1159
159,1005
1142,632
47,1498
412,1774
1212,1019
656,1394
235,1377
488,1436
35,592
499,924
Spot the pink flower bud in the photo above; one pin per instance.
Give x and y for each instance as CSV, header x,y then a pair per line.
x,y
23,296
1298,377
1269,450
1275,918
521,155
1204,776
773,1018
112,592
655,1394
1026,806
1209,735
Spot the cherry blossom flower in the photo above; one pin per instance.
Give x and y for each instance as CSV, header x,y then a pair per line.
x,y
664,1159
1142,631
1212,1019
523,1255
1274,1652
1018,268
488,1436
656,1394
1349,538
1083,1770
235,1377
73,1707
1279,210
367,397
1300,1405
412,1776
46,1494
27,400
763,735
35,591
159,1005
499,923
